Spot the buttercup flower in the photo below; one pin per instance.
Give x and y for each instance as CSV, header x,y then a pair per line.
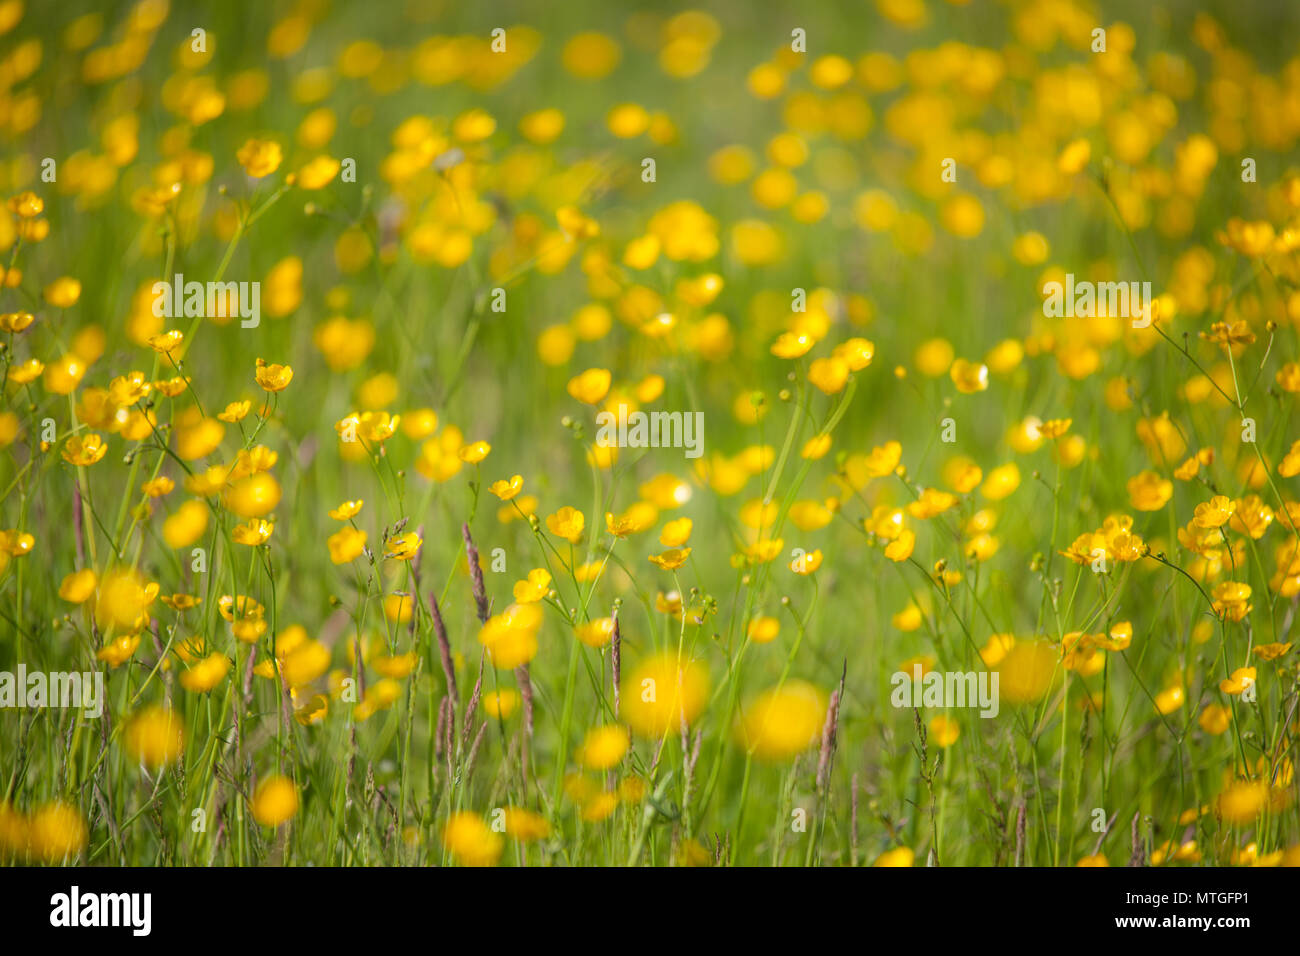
x,y
273,378
259,157
567,523
84,449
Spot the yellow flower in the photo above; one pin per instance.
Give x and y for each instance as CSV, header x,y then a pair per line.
x,y
600,807
782,721
661,692
1229,334
253,496
235,412
1170,699
542,126
900,549
636,519
397,607
15,321
249,630
124,600
206,674
665,492
1287,378
591,386
931,503
507,490
996,648
1026,671
1055,427
251,461
26,204
165,342
255,532
575,224
1252,239
78,587
829,374
534,588
1241,678
501,703
1149,492
379,697
1120,637
119,650
419,423
969,377
857,353
471,841
372,427
259,157
155,737
440,455
344,343
186,525
763,550
1215,512
346,544
16,543
595,633
273,378
763,630
672,559
1288,467
628,120
1232,600
590,55
962,215
1243,801
790,345
63,293
675,533
603,747
807,563
313,711
816,447
473,126
567,523
196,436
347,510
474,452
24,372
1074,157
56,832
510,637
899,856
85,449
1215,719
303,662
129,389
318,173
1251,516
944,731
181,602
642,252
934,357
525,825
275,801
245,607
404,547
